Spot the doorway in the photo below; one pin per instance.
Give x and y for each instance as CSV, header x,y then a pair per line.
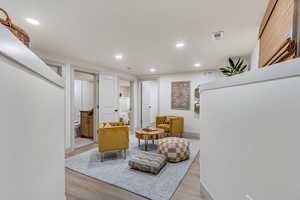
x,y
84,116
126,102
149,103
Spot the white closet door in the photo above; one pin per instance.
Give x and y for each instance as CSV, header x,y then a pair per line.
x,y
146,104
108,99
149,103
153,102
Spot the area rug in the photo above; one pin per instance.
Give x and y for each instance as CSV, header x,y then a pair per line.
x,y
114,170
80,142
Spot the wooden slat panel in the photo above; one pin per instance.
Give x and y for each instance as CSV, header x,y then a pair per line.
x,y
286,49
276,31
269,11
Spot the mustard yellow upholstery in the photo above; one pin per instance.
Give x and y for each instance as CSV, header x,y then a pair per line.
x,y
113,138
166,127
174,126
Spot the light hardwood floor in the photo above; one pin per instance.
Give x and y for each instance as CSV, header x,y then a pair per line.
x,y
81,187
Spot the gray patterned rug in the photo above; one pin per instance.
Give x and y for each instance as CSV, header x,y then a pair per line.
x,y
80,142
114,170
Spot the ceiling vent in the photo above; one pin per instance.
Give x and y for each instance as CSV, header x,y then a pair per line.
x,y
217,35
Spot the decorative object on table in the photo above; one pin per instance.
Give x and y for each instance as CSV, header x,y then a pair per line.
x,y
149,129
156,134
234,67
172,125
181,95
147,162
16,30
175,149
113,136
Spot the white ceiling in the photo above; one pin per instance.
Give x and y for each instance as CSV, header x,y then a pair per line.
x,y
144,31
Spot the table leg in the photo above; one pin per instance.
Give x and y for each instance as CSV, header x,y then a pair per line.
x,y
146,145
139,142
152,141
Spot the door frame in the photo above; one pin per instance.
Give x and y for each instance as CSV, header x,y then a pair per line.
x,y
96,102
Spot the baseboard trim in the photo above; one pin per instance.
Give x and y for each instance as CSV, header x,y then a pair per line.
x,y
191,135
204,192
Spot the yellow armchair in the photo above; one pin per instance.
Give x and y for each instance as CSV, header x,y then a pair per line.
x,y
113,136
171,124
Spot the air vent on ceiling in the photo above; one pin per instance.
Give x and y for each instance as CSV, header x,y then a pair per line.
x,y
217,35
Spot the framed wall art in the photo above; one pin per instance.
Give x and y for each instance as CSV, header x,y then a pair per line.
x,y
181,95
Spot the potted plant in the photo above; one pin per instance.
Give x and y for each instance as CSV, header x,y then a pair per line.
x,y
234,68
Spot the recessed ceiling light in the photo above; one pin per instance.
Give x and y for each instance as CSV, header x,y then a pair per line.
x,y
119,56
180,44
197,65
152,70
32,21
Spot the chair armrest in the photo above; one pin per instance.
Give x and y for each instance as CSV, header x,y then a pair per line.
x,y
176,125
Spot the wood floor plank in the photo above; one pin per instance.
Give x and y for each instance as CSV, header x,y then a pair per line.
x,y
82,187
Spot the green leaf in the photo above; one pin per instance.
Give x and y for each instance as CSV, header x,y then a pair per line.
x,y
243,68
224,72
231,62
240,65
237,64
223,68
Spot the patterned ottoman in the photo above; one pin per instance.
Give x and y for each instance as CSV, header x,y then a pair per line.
x,y
147,162
175,149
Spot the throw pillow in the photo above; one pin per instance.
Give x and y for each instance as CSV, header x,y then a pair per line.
x,y
107,125
168,119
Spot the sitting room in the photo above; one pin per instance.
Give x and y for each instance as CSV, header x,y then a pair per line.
x,y
128,100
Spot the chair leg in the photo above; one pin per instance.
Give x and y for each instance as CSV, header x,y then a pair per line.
x,y
125,154
101,156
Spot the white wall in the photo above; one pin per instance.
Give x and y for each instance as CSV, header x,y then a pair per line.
x,y
250,136
68,105
192,124
32,135
254,60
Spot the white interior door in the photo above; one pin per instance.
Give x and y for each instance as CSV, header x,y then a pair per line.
x,y
153,101
146,104
108,99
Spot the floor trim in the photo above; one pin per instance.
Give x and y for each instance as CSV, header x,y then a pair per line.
x,y
191,135
204,192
